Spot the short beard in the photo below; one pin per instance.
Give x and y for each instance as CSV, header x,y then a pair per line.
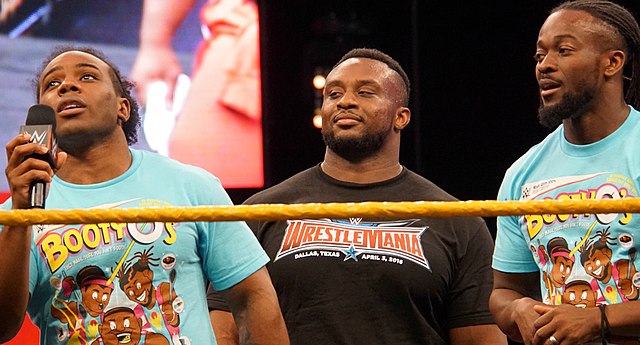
x,y
76,144
355,150
570,106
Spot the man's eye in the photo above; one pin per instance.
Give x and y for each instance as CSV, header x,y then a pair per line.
x,y
88,77
53,83
538,57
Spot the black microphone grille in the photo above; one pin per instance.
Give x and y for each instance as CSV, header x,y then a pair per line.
x,y
41,114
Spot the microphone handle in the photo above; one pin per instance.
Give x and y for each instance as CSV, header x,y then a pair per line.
x,y
37,193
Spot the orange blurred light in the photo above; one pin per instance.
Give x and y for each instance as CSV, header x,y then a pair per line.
x,y
319,81
317,121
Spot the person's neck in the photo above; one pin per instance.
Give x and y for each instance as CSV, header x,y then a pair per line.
x,y
96,164
370,170
597,123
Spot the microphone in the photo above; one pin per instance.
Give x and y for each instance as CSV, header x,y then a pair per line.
x,y
41,125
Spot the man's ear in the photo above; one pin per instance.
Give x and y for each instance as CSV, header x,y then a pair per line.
x,y
124,109
403,116
614,63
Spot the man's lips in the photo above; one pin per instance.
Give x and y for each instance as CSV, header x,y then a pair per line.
x,y
70,106
548,86
347,119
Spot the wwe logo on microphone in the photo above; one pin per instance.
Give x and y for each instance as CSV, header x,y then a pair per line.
x,y
40,138
41,134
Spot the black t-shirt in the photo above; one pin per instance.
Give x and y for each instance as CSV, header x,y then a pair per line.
x,y
374,281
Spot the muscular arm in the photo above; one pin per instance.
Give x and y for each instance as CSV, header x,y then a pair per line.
x,y
512,301
15,241
624,319
477,335
224,327
256,311
581,325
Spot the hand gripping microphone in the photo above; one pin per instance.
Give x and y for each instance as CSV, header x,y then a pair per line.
x,y
41,125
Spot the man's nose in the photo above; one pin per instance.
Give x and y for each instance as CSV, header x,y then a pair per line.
x,y
67,86
347,101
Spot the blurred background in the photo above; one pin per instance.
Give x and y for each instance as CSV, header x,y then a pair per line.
x,y
474,98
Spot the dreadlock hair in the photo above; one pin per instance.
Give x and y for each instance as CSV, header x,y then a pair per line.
x,y
122,86
626,27
375,54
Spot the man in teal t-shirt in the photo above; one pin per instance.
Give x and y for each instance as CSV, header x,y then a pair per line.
x,y
573,278
121,282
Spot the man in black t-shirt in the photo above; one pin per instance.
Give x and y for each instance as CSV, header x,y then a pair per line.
x,y
372,281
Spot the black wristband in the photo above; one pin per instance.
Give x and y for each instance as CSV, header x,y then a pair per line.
x,y
604,324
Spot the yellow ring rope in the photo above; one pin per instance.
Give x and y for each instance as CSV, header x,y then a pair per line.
x,y
381,210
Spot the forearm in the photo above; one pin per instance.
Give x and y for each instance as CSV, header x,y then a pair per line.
x,y
507,306
624,319
224,327
259,322
256,310
161,19
15,243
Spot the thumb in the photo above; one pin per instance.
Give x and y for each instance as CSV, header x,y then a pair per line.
x,y
542,308
61,157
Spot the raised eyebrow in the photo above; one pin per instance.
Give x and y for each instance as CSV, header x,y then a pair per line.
x,y
89,65
82,64
44,76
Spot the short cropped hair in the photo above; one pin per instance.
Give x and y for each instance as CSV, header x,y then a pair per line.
x,y
374,54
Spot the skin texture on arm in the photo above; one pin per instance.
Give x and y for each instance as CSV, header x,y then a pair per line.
x,y
574,325
224,327
256,311
156,59
527,320
15,241
512,301
14,279
477,335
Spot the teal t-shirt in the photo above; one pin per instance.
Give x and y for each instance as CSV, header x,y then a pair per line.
x,y
583,259
119,283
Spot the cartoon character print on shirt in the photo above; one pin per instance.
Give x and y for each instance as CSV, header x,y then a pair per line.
x,y
80,299
585,259
158,307
92,292
561,260
121,326
629,278
390,242
613,279
580,294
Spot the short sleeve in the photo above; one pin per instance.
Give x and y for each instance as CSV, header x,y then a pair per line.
x,y
511,253
215,300
230,251
472,282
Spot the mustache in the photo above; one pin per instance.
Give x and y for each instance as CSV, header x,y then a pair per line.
x,y
345,114
544,76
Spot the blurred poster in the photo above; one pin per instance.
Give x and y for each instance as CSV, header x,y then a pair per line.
x,y
205,112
